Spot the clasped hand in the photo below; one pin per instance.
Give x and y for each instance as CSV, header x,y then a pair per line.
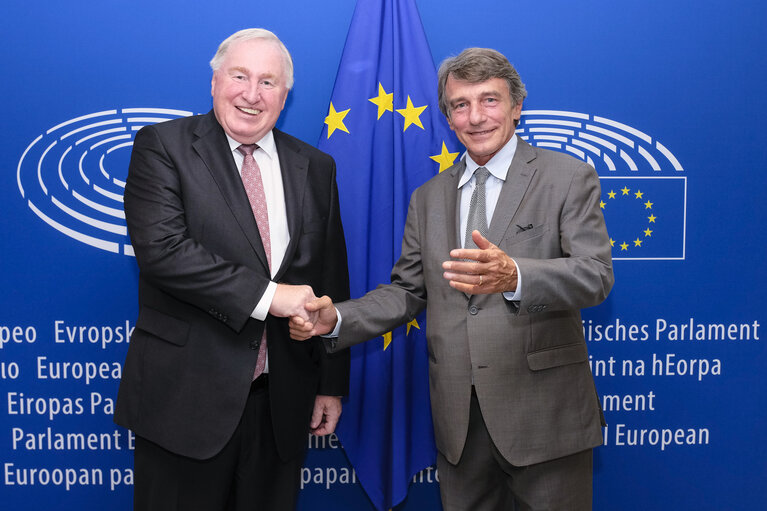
x,y
309,315
321,320
289,301
483,270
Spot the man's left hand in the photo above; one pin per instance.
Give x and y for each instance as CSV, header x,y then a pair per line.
x,y
327,410
483,270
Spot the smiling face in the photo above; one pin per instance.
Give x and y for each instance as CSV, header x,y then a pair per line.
x,y
249,89
482,115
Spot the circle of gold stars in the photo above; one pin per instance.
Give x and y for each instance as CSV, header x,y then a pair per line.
x,y
638,195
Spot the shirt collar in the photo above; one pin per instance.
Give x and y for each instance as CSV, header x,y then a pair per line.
x,y
266,144
498,165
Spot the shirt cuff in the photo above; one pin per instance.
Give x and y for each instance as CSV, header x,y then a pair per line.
x,y
262,309
515,296
335,331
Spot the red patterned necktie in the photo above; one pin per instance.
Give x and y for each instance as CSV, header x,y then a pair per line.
x,y
254,187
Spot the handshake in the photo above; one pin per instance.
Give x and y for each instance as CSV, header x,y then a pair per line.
x,y
309,315
484,270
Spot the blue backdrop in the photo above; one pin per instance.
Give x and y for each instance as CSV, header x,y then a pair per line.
x,y
665,98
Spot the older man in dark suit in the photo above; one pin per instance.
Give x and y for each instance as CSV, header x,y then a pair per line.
x,y
503,250
233,224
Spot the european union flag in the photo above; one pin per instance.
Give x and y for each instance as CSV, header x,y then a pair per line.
x,y
388,137
645,216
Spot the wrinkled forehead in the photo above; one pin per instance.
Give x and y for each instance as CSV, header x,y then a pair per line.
x,y
480,88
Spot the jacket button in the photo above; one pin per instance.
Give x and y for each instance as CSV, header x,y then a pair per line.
x,y
473,310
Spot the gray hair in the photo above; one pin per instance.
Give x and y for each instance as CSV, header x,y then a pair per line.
x,y
476,65
254,33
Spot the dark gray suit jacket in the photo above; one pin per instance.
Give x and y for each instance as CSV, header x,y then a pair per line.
x,y
528,360
203,269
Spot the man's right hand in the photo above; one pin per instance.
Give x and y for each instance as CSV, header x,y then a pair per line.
x,y
289,301
326,318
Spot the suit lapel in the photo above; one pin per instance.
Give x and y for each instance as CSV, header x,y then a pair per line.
x,y
518,179
452,205
295,169
213,148
453,208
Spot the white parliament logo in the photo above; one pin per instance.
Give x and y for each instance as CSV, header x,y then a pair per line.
x,y
73,175
644,187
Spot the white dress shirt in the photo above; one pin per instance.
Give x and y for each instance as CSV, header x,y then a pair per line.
x,y
269,164
271,177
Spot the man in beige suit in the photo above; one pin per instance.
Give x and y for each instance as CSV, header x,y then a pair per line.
x,y
503,249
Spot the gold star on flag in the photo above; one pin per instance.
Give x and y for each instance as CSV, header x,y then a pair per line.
x,y
412,323
602,204
612,242
412,114
648,232
637,242
387,340
624,246
445,158
625,190
611,194
638,194
335,120
652,218
384,101
648,205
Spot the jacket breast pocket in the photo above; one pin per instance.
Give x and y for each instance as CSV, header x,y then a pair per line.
x,y
522,235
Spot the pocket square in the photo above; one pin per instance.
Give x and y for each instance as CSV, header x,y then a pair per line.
x,y
524,228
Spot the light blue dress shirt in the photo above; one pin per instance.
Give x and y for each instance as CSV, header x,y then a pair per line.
x,y
498,166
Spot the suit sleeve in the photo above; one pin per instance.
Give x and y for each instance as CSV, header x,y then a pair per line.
x,y
582,275
168,256
390,305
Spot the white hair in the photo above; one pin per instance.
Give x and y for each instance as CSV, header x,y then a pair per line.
x,y
254,33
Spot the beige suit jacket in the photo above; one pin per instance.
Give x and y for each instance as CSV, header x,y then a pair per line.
x,y
527,360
